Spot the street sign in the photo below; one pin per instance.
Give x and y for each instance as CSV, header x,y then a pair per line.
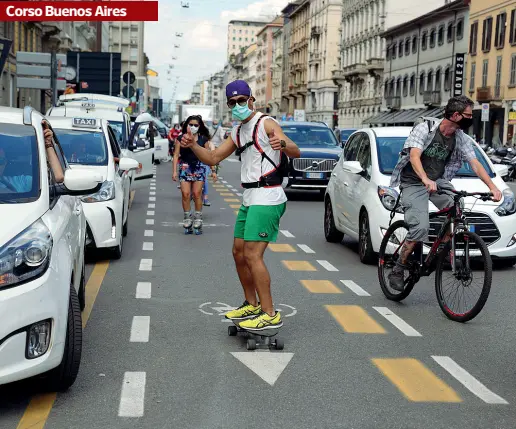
x,y
485,112
34,71
460,68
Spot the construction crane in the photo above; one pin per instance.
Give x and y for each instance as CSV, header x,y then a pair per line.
x,y
176,46
179,34
185,4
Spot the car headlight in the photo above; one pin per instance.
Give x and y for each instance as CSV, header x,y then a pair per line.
x,y
26,256
508,206
106,193
388,197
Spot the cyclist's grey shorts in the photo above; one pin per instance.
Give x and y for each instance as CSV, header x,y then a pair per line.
x,y
414,199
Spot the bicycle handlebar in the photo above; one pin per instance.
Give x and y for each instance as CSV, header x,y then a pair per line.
x,y
484,196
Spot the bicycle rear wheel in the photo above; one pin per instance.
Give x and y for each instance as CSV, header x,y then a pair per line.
x,y
465,277
388,255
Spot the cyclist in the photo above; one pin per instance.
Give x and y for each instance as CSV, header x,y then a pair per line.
x,y
433,153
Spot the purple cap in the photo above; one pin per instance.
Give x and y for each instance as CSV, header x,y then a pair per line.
x,y
238,87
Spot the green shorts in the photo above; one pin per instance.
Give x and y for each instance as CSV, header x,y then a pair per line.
x,y
259,223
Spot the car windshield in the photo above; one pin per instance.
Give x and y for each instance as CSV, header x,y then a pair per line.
x,y
344,134
306,135
83,147
390,147
118,129
19,164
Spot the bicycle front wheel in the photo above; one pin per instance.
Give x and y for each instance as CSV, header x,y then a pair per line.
x,y
463,294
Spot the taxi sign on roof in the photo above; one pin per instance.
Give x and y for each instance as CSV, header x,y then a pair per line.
x,y
85,122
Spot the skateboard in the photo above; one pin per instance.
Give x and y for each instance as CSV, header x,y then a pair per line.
x,y
257,339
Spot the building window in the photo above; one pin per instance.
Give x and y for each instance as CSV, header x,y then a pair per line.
x,y
407,47
512,36
234,38
472,77
473,39
134,54
449,32
487,31
447,79
498,80
423,40
422,83
432,38
405,86
501,20
430,81
485,67
460,29
401,48
398,87
386,89
414,44
512,80
412,85
440,35
438,83
393,50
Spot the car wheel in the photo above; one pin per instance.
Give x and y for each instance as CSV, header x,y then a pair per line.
x,y
62,377
156,161
365,247
82,289
117,250
331,233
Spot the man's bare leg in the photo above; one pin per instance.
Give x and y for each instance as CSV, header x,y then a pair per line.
x,y
406,251
244,273
253,255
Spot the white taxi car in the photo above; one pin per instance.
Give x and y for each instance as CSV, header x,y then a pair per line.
x,y
146,133
42,236
358,200
90,144
111,109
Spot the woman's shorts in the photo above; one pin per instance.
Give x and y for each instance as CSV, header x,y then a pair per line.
x,y
192,173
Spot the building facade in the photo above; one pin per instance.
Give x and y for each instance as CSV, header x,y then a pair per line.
x,y
127,38
277,72
241,34
491,69
249,66
360,76
322,103
285,63
420,65
216,95
298,56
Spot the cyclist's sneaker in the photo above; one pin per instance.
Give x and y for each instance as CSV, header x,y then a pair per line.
x,y
245,311
397,278
262,322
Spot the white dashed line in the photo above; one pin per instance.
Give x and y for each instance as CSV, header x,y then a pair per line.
x,y
149,222
327,265
152,206
232,160
305,248
146,265
152,188
140,329
148,246
152,193
239,194
223,181
143,290
132,398
150,213
149,233
351,285
397,321
152,198
287,234
468,381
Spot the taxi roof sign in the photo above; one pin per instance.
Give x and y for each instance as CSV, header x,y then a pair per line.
x,y
85,122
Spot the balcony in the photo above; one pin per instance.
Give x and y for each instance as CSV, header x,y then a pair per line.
x,y
337,75
393,103
432,98
299,67
354,70
302,89
315,56
489,93
374,64
316,31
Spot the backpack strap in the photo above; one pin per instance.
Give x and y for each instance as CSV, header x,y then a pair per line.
x,y
259,148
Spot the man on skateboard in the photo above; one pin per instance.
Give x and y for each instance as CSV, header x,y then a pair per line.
x,y
262,145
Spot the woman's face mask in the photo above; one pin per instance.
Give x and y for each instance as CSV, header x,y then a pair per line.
x,y
241,113
194,128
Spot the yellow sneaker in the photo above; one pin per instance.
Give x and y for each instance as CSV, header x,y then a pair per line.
x,y
262,322
245,311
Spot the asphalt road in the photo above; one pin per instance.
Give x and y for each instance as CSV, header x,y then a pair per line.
x,y
157,354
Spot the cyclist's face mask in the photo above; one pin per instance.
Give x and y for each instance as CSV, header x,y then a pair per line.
x,y
240,109
465,122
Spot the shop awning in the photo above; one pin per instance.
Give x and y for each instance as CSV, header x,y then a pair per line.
x,y
378,119
403,116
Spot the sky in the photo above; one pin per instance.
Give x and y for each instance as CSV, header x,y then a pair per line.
x,y
202,47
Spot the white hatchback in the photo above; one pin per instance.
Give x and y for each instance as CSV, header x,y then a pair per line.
x,y
42,236
90,144
358,199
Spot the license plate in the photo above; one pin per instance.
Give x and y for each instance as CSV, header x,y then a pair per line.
x,y
315,175
471,228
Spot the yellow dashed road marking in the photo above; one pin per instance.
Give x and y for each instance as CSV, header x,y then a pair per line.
x,y
227,194
354,319
231,200
286,248
299,266
320,286
415,381
234,206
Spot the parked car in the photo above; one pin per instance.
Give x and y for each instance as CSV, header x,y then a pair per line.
x,y
358,200
91,145
42,235
320,152
158,140
343,134
111,109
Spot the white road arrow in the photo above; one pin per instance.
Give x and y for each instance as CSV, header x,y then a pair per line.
x,y
268,366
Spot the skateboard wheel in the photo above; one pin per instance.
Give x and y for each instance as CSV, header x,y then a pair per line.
x,y
251,344
232,331
279,344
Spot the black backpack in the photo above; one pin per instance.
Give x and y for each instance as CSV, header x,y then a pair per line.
x,y
273,178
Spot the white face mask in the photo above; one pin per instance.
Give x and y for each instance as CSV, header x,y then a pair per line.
x,y
194,129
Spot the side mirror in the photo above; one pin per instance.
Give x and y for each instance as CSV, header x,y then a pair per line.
x,y
140,144
127,164
81,182
352,167
501,170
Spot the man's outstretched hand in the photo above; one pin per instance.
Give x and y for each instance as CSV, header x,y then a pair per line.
x,y
188,139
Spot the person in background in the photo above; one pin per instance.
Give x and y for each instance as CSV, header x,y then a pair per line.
x,y
173,134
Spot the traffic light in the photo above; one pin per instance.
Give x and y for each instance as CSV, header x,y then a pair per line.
x,y
128,90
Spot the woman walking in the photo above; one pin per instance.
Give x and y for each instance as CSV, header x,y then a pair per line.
x,y
190,172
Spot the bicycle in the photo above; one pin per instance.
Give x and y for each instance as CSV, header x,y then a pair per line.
x,y
462,239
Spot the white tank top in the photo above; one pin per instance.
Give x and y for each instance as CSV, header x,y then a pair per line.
x,y
253,168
